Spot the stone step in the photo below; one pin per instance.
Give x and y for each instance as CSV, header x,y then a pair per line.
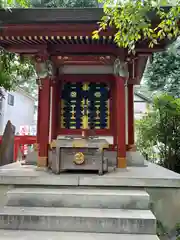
x,y
78,198
37,235
78,220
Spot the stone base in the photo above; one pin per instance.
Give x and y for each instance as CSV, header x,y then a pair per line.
x,y
42,161
135,159
31,158
131,148
132,158
45,169
121,162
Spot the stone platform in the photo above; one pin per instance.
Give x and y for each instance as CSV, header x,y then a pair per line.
x,y
151,175
36,235
162,185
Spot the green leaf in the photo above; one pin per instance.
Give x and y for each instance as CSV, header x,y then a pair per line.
x,y
131,19
95,35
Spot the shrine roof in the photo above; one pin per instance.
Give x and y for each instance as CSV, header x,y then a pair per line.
x,y
55,15
63,32
50,15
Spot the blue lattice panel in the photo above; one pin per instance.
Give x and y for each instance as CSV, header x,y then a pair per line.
x,y
98,116
85,102
72,96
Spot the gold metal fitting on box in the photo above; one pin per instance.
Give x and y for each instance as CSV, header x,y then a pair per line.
x,y
79,158
53,144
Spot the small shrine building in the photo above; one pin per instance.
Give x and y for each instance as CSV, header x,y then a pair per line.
x,y
84,84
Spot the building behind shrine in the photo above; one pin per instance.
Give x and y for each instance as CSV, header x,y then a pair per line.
x,y
18,107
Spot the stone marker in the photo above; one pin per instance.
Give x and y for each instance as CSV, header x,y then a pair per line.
x,y
7,145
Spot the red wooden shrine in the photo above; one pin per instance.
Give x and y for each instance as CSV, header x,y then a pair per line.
x,y
82,90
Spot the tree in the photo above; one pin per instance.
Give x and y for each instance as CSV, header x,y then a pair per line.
x,y
145,134
160,130
11,3
13,68
64,3
133,21
163,72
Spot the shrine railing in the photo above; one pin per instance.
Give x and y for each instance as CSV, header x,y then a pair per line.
x,y
20,141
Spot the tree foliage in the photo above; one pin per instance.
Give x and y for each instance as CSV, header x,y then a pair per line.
x,y
64,3
13,69
133,21
8,4
163,72
160,130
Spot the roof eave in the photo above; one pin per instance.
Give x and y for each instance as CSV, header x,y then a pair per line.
x,y
57,15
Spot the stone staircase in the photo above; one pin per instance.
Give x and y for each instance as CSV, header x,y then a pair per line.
x,y
77,213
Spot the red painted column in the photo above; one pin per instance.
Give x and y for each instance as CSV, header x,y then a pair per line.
x,y
55,108
131,117
38,114
114,114
43,122
121,123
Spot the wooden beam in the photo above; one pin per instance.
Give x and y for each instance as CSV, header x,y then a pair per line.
x,y
83,59
25,48
110,48
85,49
60,49
142,48
144,54
52,30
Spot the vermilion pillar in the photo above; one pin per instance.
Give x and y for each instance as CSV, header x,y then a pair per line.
x,y
43,122
54,110
130,117
114,114
55,107
38,114
121,123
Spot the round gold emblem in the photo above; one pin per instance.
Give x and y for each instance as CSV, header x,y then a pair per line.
x,y
79,158
97,94
73,94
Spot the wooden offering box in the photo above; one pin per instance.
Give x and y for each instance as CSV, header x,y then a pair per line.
x,y
73,153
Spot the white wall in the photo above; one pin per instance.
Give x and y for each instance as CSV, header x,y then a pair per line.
x,y
1,115
140,107
22,113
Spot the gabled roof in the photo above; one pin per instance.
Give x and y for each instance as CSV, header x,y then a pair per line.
x,y
25,93
146,99
17,89
56,15
143,93
50,15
